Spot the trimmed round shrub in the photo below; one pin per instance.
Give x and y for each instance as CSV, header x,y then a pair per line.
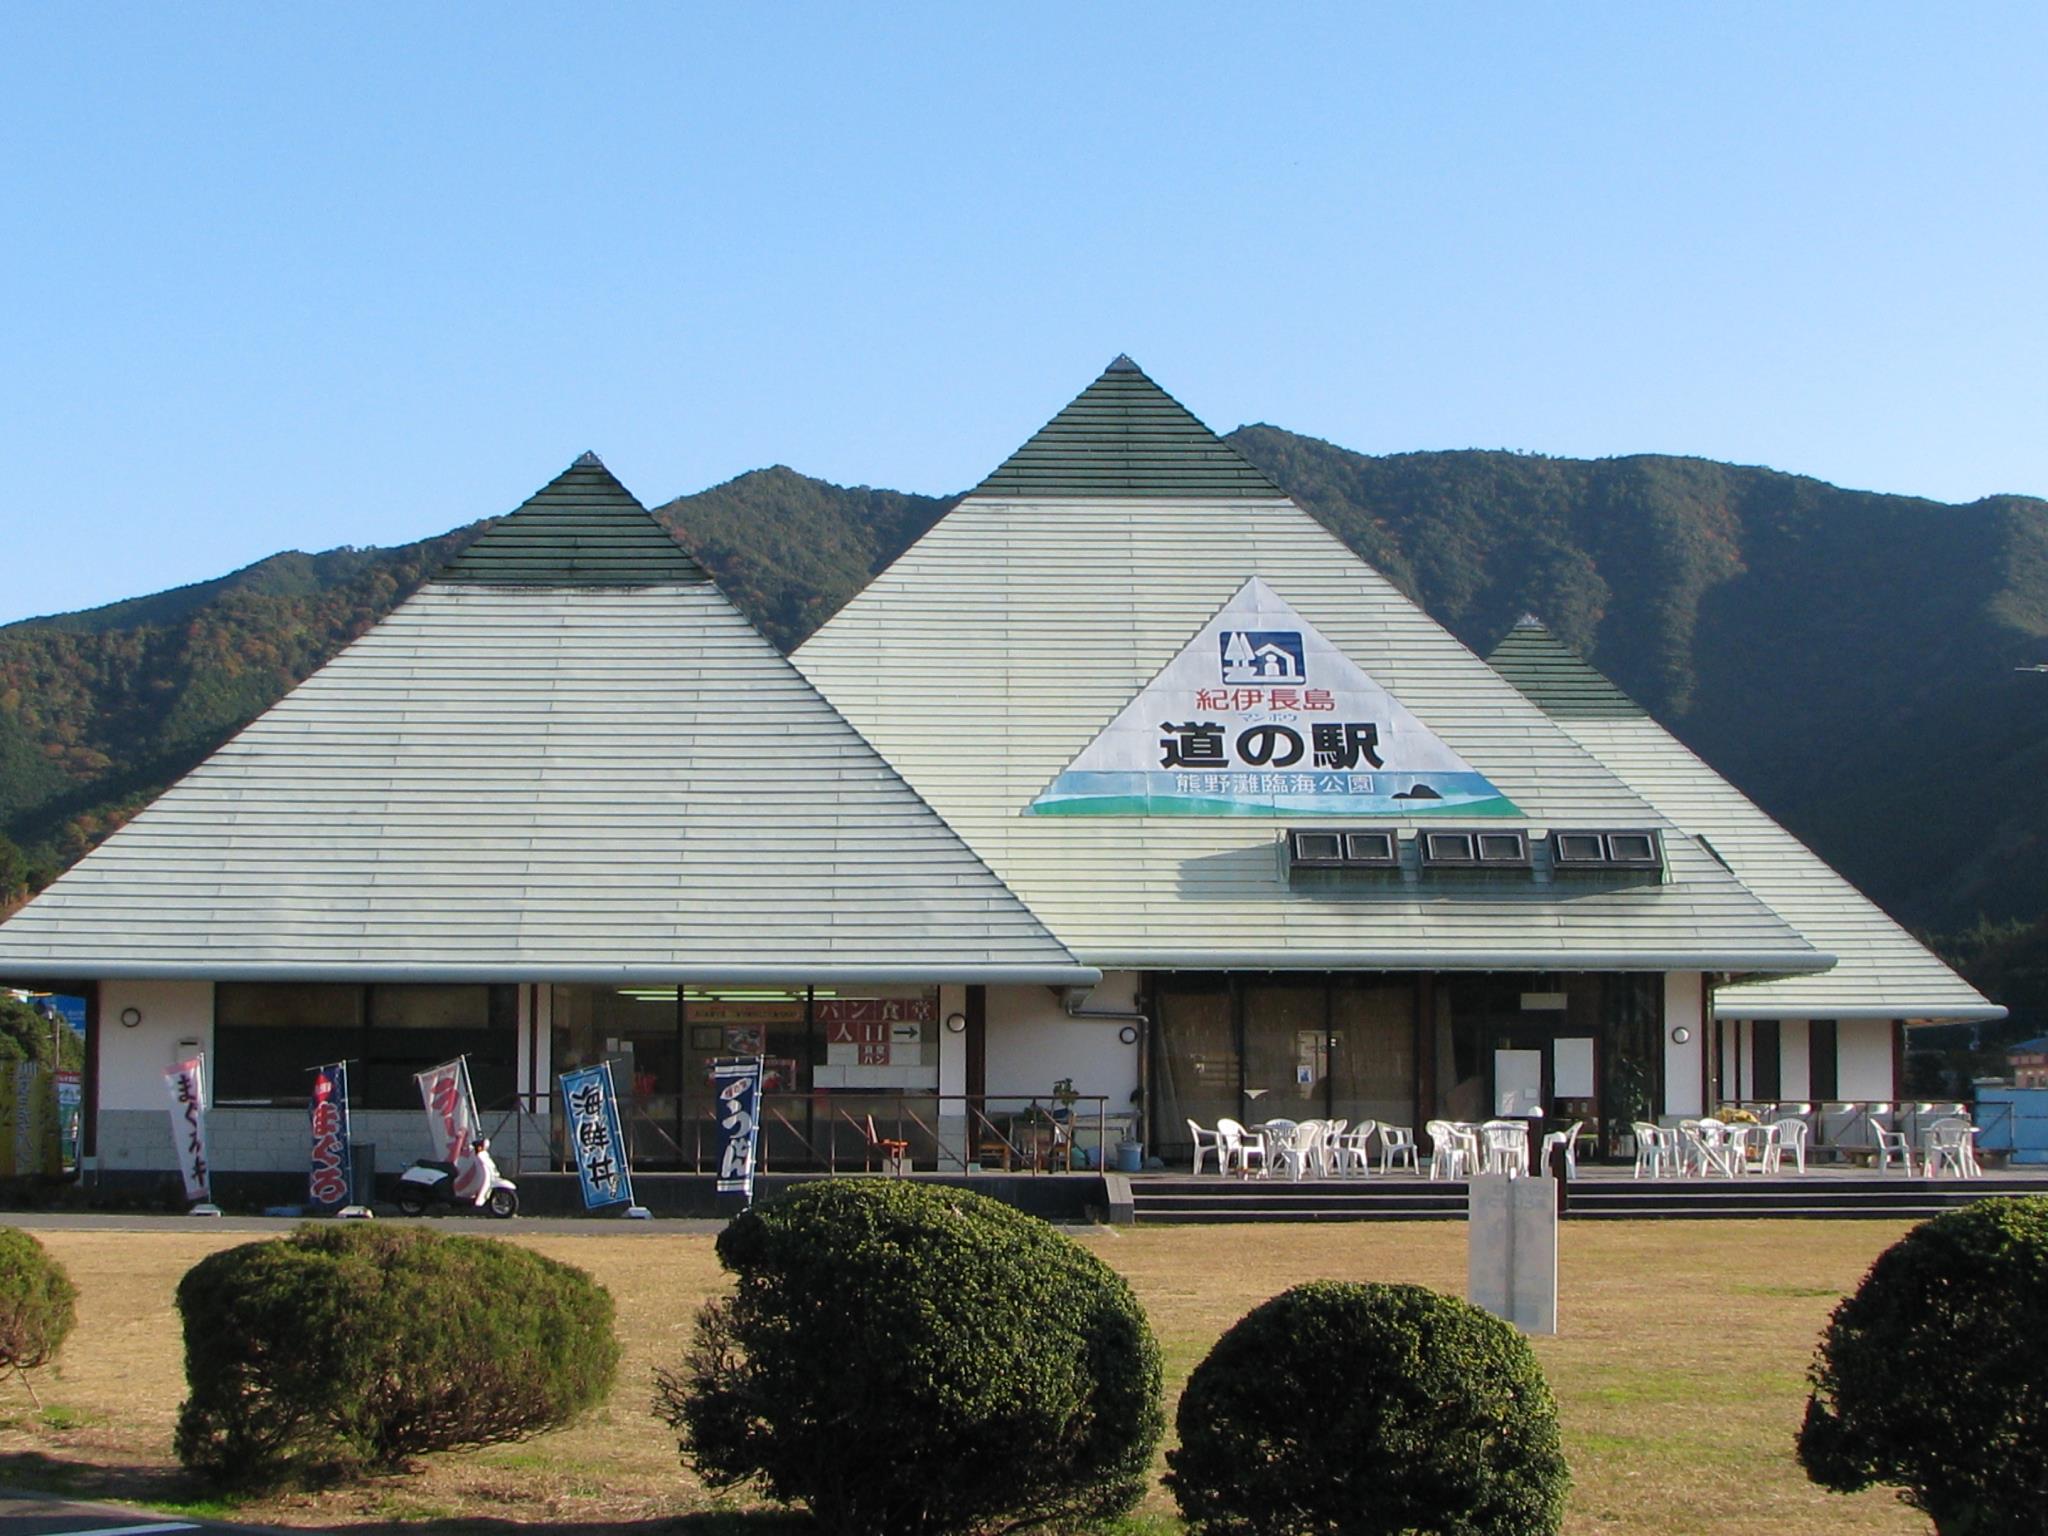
x,y
913,1359
1933,1376
37,1302
1369,1410
353,1346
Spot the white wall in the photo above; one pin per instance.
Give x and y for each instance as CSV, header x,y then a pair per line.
x,y
133,1061
1864,1047
1795,1061
1684,1065
952,1054
1032,1043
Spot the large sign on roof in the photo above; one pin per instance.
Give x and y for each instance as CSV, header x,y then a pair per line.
x,y
1259,715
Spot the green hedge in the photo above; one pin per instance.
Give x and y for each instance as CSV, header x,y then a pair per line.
x,y
354,1345
1933,1376
1370,1410
37,1302
913,1359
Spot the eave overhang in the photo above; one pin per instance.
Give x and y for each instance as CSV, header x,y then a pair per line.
x,y
427,971
1726,1007
1799,962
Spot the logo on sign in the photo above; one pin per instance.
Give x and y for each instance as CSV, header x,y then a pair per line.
x,y
1262,656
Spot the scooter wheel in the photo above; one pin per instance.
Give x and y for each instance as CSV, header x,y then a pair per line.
x,y
503,1202
409,1206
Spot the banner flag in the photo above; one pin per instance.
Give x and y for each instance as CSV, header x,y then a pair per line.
x,y
736,1089
595,1140
332,1183
452,1122
186,1083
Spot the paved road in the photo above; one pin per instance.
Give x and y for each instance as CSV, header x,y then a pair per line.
x,y
477,1226
35,1515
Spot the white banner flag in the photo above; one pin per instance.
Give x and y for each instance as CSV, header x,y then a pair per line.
x,y
186,1083
452,1121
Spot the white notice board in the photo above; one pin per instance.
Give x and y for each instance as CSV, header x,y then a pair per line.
x,y
1517,1083
1571,1067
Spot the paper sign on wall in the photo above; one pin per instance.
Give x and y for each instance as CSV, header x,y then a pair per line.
x,y
1259,715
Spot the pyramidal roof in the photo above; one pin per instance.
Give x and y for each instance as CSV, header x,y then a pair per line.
x,y
1881,970
583,529
1556,679
568,758
995,665
1125,436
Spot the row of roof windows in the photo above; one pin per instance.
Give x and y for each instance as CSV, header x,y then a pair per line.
x,y
1473,848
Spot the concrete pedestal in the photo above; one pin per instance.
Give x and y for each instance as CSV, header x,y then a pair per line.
x,y
1511,1257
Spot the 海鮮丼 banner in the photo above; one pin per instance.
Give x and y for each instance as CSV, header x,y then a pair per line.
x,y
592,1104
1259,715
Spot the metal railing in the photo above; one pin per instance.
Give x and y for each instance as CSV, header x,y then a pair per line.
x,y
840,1129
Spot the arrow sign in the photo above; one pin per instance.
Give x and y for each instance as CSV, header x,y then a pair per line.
x,y
905,1034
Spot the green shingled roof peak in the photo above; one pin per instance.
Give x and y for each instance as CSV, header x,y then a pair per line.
x,y
583,529
1125,436
1556,679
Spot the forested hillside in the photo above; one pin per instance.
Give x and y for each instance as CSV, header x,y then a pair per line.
x,y
1847,658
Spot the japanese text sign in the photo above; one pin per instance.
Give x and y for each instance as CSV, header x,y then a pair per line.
x,y
592,1106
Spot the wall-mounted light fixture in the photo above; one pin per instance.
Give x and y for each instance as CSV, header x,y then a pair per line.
x,y
130,1017
1128,1034
1680,1034
955,1023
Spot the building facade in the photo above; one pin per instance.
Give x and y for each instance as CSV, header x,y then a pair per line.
x,y
1128,787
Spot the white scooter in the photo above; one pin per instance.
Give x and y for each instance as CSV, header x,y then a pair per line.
x,y
428,1183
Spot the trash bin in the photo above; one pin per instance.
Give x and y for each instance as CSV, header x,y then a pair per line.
x,y
363,1170
1130,1156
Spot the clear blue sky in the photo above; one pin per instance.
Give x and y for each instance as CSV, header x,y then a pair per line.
x,y
300,276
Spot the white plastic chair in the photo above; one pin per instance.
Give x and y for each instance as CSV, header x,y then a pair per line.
x,y
1890,1143
1243,1146
1207,1142
1449,1152
1949,1144
1656,1151
1507,1147
1333,1133
1302,1152
1706,1147
1397,1145
1568,1138
1770,1147
1792,1136
1352,1151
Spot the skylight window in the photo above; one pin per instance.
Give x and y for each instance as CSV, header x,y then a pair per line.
x,y
1578,847
1449,848
1607,850
1504,849
1316,847
1333,849
1375,849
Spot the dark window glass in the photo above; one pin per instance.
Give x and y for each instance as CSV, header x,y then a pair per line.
x,y
268,1036
1369,847
1765,1072
1632,848
1822,1065
1502,848
1449,847
1318,845
1579,848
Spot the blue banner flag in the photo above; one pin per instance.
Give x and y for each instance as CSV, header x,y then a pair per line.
x,y
736,1092
332,1184
594,1138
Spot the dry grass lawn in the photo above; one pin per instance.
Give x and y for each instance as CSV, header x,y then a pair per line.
x,y
1679,1371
